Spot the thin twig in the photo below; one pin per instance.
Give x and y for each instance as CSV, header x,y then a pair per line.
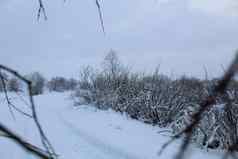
x,y
6,95
41,10
9,103
100,15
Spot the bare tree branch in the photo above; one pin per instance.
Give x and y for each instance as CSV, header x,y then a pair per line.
x,y
100,15
6,95
45,142
9,103
22,142
41,10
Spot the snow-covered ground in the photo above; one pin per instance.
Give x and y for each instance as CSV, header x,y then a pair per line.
x,y
87,133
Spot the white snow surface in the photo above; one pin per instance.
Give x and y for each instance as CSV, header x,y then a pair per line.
x,y
88,133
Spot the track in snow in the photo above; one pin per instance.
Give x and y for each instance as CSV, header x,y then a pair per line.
x,y
93,147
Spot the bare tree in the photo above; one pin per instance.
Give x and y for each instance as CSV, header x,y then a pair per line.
x,y
112,64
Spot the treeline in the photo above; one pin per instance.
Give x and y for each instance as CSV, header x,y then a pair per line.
x,y
39,84
159,100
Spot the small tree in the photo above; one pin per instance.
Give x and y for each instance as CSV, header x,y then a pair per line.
x,y
112,64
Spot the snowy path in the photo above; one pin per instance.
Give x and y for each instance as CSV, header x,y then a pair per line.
x,y
88,133
95,148
81,143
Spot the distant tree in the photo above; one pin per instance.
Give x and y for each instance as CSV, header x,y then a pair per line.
x,y
38,83
111,64
60,84
52,85
14,85
113,70
72,84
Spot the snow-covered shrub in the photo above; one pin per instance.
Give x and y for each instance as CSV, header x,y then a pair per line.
x,y
82,97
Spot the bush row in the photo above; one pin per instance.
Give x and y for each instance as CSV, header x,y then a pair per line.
x,y
159,100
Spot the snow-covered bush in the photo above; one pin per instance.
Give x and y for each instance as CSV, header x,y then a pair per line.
x,y
156,99
82,97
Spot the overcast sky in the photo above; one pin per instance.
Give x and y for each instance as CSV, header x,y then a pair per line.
x,y
183,36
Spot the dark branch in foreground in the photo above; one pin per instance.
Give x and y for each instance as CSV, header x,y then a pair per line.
x,y
9,103
41,10
204,106
45,142
100,15
6,95
25,145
